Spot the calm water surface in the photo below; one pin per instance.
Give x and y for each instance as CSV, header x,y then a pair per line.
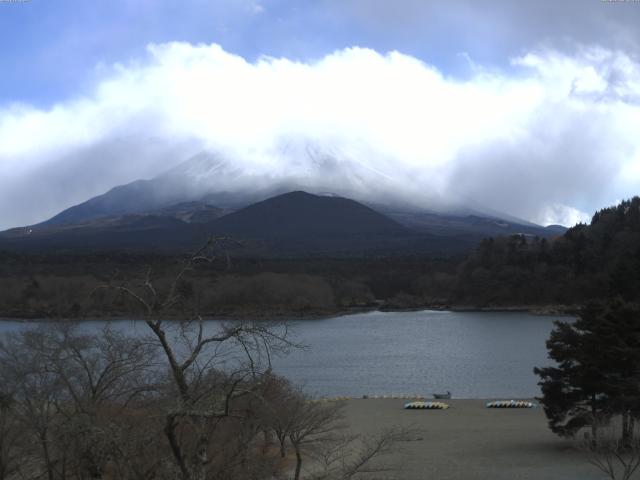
x,y
471,354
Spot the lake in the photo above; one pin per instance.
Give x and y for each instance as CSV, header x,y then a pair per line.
x,y
471,354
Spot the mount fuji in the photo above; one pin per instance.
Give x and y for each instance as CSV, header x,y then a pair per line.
x,y
208,193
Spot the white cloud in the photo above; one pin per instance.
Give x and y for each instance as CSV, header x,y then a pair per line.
x,y
553,137
561,215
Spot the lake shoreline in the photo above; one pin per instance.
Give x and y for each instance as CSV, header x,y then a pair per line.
x,y
284,316
424,398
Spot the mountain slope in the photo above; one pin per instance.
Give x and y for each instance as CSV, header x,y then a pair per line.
x,y
192,180
148,233
472,224
292,224
213,181
300,214
203,193
299,223
135,197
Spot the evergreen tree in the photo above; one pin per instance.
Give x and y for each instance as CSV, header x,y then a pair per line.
x,y
597,372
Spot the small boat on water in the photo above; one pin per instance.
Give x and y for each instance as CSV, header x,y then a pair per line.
x,y
426,406
442,396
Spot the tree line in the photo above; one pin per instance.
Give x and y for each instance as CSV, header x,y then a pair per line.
x,y
596,261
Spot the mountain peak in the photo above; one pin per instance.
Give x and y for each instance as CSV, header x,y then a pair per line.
x,y
298,214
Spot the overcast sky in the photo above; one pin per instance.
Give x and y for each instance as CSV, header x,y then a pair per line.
x,y
527,107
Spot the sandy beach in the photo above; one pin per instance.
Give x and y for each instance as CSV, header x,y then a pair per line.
x,y
468,441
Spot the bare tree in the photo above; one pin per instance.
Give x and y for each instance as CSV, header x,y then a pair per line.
x,y
280,400
11,448
312,423
356,456
69,389
138,447
616,457
195,358
316,431
38,393
102,374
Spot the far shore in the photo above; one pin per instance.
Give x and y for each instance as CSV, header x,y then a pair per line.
x,y
470,442
542,310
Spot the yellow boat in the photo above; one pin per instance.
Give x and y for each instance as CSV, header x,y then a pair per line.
x,y
426,406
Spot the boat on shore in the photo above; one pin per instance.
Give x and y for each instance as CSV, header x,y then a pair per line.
x,y
442,396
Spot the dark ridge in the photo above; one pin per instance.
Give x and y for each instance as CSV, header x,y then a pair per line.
x,y
300,214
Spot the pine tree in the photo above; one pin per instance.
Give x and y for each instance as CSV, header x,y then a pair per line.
x,y
597,372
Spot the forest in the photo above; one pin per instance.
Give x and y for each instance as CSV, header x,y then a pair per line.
x,y
594,261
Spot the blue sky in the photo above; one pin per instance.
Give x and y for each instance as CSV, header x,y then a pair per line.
x,y
521,106
52,48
